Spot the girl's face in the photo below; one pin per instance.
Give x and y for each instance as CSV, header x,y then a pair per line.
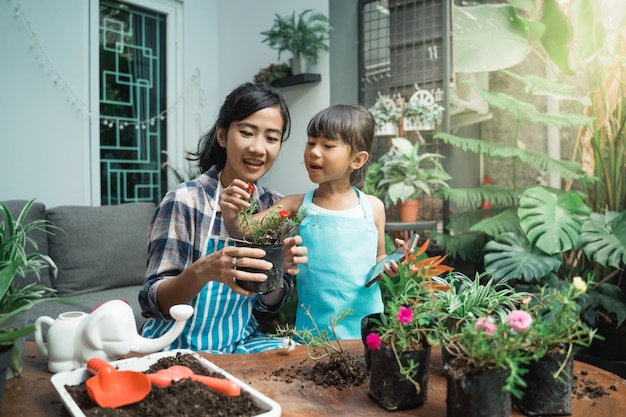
x,y
327,160
252,145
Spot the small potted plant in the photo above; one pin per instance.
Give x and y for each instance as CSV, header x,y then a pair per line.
x,y
303,35
15,300
407,173
421,112
273,72
267,233
386,116
397,341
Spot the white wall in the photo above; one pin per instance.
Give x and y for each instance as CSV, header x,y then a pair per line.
x,y
45,145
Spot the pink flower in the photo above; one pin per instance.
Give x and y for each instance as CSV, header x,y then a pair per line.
x,y
520,320
405,315
373,341
486,323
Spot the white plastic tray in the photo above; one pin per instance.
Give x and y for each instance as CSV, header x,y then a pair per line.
x,y
77,376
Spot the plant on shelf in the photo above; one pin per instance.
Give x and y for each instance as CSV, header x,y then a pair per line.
x,y
421,112
386,116
15,263
272,73
303,35
407,173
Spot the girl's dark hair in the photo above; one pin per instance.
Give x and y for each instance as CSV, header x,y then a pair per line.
x,y
354,125
243,101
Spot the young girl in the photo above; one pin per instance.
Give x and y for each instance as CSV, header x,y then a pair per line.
x,y
343,228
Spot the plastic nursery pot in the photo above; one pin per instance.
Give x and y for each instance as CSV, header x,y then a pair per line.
x,y
273,254
389,387
367,327
545,395
478,395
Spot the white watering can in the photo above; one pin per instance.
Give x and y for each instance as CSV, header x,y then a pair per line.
x,y
108,333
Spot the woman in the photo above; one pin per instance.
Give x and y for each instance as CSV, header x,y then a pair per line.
x,y
190,257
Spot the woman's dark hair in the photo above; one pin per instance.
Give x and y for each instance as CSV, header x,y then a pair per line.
x,y
353,125
243,101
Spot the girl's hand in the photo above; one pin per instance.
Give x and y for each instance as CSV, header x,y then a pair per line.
x,y
294,255
392,269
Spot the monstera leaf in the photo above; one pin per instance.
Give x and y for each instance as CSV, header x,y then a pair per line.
x,y
511,256
603,239
552,221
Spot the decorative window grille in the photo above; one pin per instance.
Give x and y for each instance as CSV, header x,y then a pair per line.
x,y
132,103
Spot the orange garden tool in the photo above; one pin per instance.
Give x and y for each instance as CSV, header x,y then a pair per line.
x,y
165,377
112,388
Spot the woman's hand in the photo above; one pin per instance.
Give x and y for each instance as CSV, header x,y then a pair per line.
x,y
234,198
294,255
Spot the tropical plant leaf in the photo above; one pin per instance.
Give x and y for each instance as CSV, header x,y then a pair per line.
x,y
473,197
604,242
551,222
541,162
473,25
541,86
510,256
505,221
523,110
468,246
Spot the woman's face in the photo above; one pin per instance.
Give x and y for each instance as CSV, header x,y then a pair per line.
x,y
252,145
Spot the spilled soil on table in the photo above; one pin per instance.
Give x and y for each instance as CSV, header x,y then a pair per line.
x,y
338,370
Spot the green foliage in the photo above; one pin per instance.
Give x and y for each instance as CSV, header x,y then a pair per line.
x,y
16,263
407,173
304,35
272,73
316,338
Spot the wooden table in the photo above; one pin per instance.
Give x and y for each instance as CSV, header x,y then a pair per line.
x,y
32,395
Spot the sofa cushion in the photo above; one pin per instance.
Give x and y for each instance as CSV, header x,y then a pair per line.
x,y
39,238
103,247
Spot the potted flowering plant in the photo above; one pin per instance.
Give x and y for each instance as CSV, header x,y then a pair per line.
x,y
485,364
267,231
397,340
556,328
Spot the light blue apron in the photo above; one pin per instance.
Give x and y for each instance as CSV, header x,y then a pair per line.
x,y
341,250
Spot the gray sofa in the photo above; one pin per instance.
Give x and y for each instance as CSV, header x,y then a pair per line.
x,y
100,255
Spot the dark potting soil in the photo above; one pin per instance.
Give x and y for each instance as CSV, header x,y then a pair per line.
x,y
586,387
339,370
181,398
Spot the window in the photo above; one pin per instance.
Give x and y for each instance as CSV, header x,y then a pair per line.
x,y
133,123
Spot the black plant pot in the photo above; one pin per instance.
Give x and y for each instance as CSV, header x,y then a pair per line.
x,y
367,327
6,353
477,395
543,394
273,254
389,387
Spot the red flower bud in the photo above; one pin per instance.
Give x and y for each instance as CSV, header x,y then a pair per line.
x,y
283,214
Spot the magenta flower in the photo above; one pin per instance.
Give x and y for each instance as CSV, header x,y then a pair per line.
x,y
373,341
520,320
486,324
405,315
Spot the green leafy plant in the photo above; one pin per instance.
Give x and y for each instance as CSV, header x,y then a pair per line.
x,y
272,73
407,173
385,111
422,110
470,298
15,263
560,238
409,307
271,228
303,35
488,343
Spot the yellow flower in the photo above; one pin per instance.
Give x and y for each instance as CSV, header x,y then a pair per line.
x,y
579,284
